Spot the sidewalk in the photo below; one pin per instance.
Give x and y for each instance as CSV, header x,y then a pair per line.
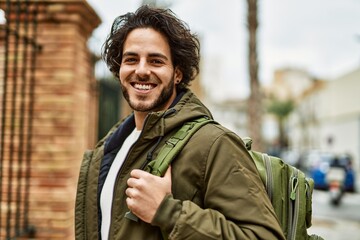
x,y
335,229
338,223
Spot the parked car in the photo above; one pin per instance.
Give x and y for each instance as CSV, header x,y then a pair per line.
x,y
317,165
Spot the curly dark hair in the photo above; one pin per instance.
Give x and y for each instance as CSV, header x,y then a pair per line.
x,y
184,46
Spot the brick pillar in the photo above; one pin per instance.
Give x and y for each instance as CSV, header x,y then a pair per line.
x,y
65,113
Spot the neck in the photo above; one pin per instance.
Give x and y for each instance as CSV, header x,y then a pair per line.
x,y
139,119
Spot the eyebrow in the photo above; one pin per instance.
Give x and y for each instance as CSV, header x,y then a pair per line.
x,y
159,55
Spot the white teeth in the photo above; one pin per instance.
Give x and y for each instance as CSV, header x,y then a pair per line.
x,y
142,86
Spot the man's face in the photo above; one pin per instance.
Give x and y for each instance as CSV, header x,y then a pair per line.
x,y
147,75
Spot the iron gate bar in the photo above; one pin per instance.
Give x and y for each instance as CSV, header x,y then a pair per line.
x,y
25,38
21,125
29,229
3,117
19,104
12,124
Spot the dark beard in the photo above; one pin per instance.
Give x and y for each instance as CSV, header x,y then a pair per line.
x,y
157,105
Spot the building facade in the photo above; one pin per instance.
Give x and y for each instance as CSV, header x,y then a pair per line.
x,y
328,118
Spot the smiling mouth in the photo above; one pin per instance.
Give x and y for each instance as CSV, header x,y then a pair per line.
x,y
142,86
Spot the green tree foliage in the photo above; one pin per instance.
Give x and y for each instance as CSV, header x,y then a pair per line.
x,y
281,110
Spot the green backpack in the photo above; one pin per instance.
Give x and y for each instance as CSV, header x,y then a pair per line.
x,y
289,190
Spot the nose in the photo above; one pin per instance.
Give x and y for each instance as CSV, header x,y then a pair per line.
x,y
142,69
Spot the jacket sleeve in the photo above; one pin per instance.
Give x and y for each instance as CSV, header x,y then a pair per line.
x,y
235,202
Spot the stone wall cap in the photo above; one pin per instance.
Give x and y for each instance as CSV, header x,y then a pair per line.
x,y
57,10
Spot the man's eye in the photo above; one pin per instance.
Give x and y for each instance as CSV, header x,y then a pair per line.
x,y
156,61
129,60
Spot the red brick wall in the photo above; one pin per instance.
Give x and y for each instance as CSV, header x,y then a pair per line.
x,y
65,114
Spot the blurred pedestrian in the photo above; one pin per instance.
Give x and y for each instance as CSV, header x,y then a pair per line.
x,y
211,191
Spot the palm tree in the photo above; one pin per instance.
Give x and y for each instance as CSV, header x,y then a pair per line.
x,y
255,110
281,109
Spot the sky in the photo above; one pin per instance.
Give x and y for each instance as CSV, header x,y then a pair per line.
x,y
321,37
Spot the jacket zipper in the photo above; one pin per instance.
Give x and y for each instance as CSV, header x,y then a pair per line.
x,y
293,204
118,174
170,111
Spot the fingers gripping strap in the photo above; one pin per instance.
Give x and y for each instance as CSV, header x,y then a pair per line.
x,y
174,145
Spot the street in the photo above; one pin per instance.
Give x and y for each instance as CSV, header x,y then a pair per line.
x,y
336,223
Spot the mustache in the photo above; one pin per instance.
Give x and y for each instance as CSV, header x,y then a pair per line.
x,y
139,79
136,78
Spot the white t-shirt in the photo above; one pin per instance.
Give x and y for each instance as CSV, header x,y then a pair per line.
x,y
106,196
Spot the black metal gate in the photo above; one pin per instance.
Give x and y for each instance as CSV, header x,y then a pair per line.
x,y
18,48
109,105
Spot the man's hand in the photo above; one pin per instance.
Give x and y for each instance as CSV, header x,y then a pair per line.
x,y
146,192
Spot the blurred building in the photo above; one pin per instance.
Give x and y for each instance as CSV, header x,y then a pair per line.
x,y
328,117
288,84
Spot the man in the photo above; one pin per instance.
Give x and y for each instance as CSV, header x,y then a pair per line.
x,y
211,191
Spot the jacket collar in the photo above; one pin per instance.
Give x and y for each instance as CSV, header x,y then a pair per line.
x,y
185,107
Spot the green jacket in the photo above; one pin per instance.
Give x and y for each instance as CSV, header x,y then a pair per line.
x,y
216,190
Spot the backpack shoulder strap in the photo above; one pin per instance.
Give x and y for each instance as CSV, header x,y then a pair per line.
x,y
174,145
170,150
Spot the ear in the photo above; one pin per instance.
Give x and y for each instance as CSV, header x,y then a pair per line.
x,y
178,75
